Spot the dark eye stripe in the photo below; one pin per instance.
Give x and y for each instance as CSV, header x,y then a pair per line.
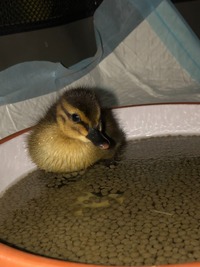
x,y
85,125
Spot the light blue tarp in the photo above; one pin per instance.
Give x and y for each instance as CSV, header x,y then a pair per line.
x,y
178,37
113,21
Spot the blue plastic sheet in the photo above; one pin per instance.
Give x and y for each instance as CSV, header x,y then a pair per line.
x,y
113,21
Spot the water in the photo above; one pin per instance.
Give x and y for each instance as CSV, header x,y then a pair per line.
x,y
143,210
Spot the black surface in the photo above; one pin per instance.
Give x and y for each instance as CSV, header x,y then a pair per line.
x,y
19,15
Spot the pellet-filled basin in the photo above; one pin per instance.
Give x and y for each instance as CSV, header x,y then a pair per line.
x,y
138,122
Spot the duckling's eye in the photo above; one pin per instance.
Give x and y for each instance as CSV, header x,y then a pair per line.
x,y
75,117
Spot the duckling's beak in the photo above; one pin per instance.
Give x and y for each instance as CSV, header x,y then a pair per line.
x,y
98,139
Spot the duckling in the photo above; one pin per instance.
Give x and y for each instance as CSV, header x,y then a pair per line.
x,y
75,133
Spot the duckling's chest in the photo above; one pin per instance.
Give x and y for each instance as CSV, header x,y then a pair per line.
x,y
72,148
58,153
72,155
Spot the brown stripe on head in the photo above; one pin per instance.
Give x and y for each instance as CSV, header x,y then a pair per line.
x,y
67,126
69,110
77,112
83,102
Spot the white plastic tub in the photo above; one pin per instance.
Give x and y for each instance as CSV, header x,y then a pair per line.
x,y
137,121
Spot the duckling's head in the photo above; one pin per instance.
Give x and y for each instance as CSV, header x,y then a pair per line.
x,y
78,114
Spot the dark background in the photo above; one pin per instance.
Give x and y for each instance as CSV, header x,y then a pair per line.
x,y
66,37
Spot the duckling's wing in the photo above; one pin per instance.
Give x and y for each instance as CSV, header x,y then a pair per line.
x,y
111,126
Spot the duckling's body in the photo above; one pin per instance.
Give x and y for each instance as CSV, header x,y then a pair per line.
x,y
74,134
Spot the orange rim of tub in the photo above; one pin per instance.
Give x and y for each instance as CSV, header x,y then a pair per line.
x,y
12,257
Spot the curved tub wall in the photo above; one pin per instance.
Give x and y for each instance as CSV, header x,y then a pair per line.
x,y
158,120
15,161
137,122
